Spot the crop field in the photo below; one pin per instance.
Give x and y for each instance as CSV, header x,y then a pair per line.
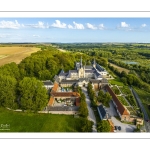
x,y
15,54
120,69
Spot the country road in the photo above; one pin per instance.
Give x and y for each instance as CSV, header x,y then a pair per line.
x,y
91,115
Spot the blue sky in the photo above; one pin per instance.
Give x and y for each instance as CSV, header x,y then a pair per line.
x,y
68,30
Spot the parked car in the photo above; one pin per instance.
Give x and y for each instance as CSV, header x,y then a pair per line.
x,y
116,127
119,128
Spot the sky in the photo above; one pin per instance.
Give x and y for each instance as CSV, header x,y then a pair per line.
x,y
70,30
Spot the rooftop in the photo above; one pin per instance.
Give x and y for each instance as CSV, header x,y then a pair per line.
x,y
120,107
65,94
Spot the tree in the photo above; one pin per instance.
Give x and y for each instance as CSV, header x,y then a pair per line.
x,y
8,91
33,94
86,125
103,126
83,111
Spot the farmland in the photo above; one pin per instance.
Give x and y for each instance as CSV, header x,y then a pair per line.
x,y
15,54
120,69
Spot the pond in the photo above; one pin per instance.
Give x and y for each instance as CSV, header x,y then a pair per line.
x,y
130,62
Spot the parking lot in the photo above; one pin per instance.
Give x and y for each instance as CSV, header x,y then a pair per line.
x,y
124,127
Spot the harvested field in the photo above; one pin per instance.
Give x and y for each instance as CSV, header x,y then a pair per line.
x,y
15,54
120,69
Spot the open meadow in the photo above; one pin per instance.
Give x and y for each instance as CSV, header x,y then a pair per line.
x,y
15,54
37,122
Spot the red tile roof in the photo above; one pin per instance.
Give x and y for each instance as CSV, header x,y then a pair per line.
x,y
55,87
51,101
120,107
77,101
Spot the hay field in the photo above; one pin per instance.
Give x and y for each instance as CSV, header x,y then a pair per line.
x,y
15,54
120,69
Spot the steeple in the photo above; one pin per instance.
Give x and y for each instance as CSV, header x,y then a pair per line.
x,y
81,62
94,64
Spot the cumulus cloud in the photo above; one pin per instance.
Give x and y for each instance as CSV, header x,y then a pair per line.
x,y
70,26
78,25
90,26
143,25
124,25
58,24
40,24
101,26
10,24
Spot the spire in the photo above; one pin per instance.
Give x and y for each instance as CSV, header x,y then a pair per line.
x,y
94,64
81,62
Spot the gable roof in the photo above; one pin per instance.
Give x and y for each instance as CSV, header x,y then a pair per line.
x,y
55,87
120,107
51,101
48,82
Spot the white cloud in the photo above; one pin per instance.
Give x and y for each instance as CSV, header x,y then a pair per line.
x,y
78,25
124,25
40,24
58,24
4,35
101,26
90,26
36,36
10,24
70,26
143,25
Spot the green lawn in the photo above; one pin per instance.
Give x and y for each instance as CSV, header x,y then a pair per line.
x,y
115,82
30,122
122,100
125,90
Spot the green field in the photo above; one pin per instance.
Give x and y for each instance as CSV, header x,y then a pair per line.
x,y
115,82
125,90
30,122
122,100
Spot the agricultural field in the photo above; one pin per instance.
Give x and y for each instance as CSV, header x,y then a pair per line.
x,y
15,54
35,122
120,69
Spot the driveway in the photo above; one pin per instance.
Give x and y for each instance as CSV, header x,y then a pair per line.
x,y
91,115
124,127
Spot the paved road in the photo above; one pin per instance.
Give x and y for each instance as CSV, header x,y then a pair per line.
x,y
91,115
146,117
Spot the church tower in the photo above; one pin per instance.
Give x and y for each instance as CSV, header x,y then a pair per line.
x,y
81,62
81,70
94,64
